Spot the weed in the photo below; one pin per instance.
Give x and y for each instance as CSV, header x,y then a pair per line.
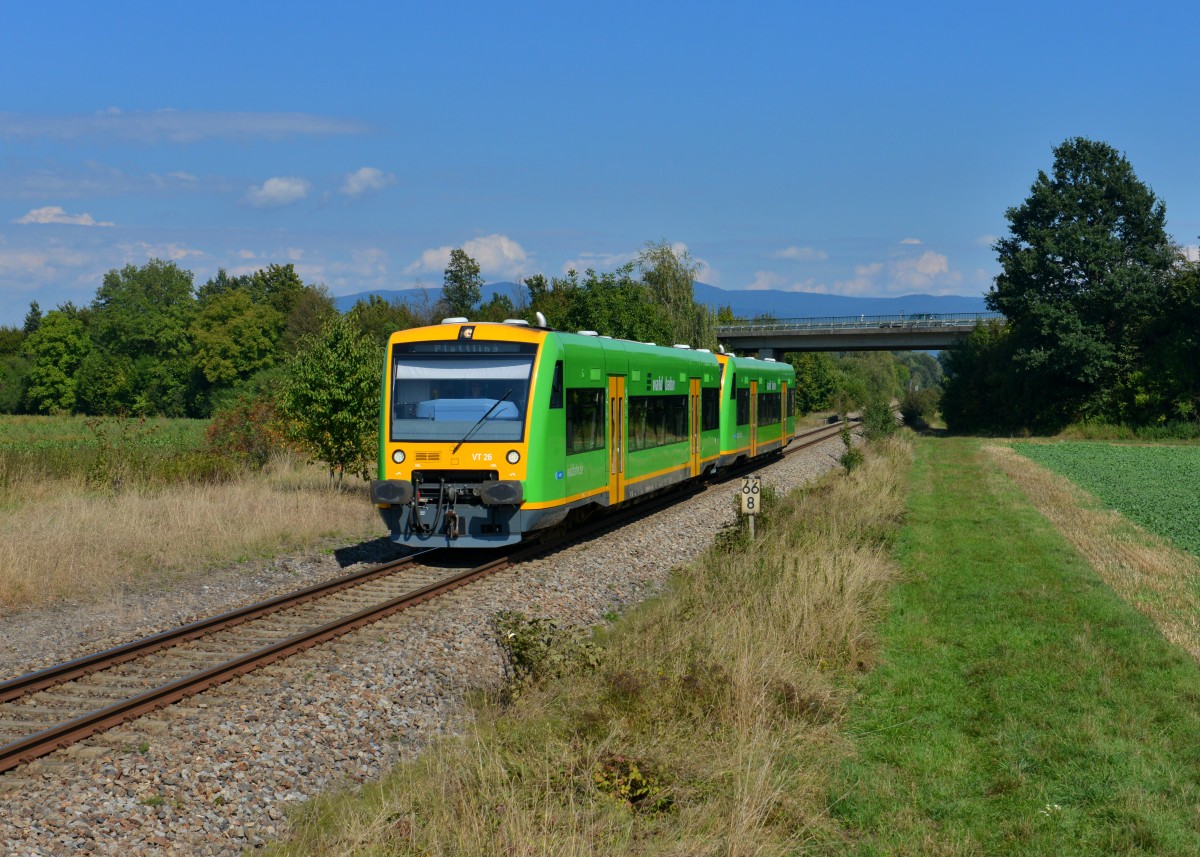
x,y
154,800
144,747
632,781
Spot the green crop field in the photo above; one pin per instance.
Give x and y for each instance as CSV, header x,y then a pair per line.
x,y
106,450
1155,486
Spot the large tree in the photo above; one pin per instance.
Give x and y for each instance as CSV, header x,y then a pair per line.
x,y
1085,271
55,350
331,397
670,277
462,286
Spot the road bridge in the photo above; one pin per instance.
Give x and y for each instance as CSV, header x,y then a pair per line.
x,y
916,332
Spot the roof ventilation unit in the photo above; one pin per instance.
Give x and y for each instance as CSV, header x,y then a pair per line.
x,y
516,321
768,360
587,333
704,350
684,347
457,319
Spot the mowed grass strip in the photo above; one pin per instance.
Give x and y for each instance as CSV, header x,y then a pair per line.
x,y
1020,706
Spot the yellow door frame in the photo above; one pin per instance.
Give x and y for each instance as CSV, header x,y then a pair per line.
x,y
694,433
616,438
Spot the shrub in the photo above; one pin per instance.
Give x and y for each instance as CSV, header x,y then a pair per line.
x,y
249,430
879,419
918,407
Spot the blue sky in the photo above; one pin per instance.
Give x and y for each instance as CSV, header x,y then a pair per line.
x,y
868,149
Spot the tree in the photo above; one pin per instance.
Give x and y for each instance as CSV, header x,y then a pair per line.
x,y
233,337
670,277
32,318
378,319
816,380
979,389
462,286
55,350
1085,271
144,314
331,398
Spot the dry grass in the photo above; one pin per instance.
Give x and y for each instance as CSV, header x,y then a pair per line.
x,y
1160,581
60,540
724,695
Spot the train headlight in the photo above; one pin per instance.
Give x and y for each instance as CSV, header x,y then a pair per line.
x,y
398,456
513,456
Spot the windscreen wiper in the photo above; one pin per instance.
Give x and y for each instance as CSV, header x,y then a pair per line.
x,y
481,419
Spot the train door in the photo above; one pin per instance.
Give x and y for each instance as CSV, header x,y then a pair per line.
x,y
616,438
753,418
784,437
694,419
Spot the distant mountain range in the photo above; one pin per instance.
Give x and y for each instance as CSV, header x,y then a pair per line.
x,y
745,304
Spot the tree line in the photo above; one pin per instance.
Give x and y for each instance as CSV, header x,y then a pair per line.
x,y
1101,307
272,361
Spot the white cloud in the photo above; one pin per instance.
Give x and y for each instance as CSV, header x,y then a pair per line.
x,y
366,180
802,254
764,280
281,190
596,261
986,240
145,250
246,254
910,240
929,273
497,255
55,214
173,126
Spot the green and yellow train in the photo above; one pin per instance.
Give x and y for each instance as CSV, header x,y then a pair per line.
x,y
489,431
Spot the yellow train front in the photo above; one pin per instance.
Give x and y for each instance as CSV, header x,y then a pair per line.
x,y
489,432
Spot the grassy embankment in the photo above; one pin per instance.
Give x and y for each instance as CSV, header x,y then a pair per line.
x,y
87,507
702,723
1022,706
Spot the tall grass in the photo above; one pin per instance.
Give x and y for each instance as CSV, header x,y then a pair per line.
x,y
61,538
700,724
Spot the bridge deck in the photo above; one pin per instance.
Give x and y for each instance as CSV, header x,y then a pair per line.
x,y
919,331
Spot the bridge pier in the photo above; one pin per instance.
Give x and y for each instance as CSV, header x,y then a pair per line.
x,y
771,353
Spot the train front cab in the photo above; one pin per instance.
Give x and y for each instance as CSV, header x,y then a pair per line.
x,y
456,418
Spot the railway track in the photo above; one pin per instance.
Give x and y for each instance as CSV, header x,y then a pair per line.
x,y
64,704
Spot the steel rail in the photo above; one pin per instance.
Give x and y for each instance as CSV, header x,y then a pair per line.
x,y
32,682
70,732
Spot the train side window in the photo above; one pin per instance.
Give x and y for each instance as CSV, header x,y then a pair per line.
x,y
769,405
743,407
710,416
657,421
733,385
556,386
585,420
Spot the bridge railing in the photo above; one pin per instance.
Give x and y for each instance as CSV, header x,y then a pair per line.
x,y
830,324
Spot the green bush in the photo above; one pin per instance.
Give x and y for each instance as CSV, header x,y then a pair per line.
x,y
918,407
879,420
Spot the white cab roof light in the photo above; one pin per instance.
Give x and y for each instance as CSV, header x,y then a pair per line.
x,y
516,321
457,319
678,345
587,333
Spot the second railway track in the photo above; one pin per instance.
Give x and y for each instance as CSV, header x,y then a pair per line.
x,y
53,708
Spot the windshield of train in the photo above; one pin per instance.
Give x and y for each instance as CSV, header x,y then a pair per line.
x,y
440,390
